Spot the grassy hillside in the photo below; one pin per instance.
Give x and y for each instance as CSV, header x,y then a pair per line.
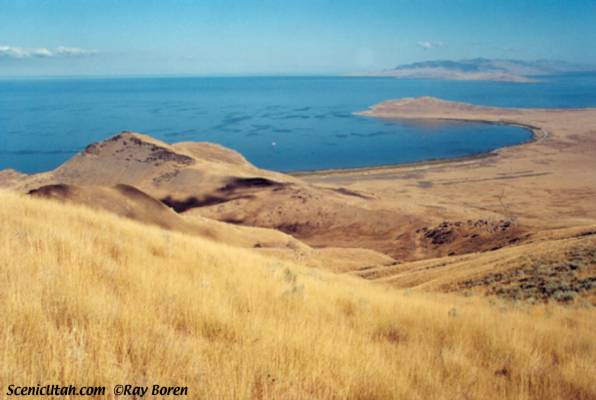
x,y
554,266
90,298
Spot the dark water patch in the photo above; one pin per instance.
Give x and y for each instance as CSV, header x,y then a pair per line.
x,y
342,115
179,134
236,119
294,116
185,109
372,134
159,130
264,126
37,152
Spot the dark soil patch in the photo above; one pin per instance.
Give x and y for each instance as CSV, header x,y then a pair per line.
x,y
249,183
194,202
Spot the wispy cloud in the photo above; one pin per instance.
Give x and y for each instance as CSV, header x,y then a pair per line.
x,y
43,52
74,51
427,45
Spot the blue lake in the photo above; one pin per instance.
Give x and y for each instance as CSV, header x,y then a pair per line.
x,y
279,123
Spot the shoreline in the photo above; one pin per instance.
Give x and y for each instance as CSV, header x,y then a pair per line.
x,y
553,168
537,133
413,164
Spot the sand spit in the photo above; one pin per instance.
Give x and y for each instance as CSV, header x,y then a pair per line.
x,y
544,184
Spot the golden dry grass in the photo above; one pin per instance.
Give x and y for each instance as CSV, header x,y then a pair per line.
x,y
513,263
89,298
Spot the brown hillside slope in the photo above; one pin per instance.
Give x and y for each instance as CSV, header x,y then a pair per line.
x,y
200,179
130,202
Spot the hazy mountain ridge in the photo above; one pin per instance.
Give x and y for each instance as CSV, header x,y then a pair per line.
x,y
505,70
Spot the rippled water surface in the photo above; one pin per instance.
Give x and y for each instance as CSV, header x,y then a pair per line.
x,y
285,124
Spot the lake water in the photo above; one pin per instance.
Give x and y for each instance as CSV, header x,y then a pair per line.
x,y
279,123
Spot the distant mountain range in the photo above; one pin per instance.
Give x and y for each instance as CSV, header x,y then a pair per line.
x,y
505,70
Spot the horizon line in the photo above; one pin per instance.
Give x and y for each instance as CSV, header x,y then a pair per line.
x,y
181,75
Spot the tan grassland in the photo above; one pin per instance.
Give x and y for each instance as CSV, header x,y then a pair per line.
x,y
87,297
143,262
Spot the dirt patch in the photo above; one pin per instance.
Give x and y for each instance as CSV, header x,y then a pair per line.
x,y
352,193
157,154
458,237
161,155
295,229
59,189
188,203
250,183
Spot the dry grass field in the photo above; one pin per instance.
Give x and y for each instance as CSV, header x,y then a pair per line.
x,y
87,297
557,266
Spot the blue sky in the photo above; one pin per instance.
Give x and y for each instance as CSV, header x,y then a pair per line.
x,y
134,37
